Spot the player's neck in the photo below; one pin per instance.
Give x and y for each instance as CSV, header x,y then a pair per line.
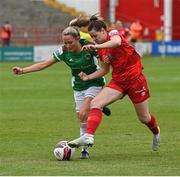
x,y
78,49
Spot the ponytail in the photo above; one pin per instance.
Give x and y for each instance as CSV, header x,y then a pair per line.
x,y
92,22
81,21
94,17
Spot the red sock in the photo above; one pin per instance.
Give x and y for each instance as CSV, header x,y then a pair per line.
x,y
94,119
153,126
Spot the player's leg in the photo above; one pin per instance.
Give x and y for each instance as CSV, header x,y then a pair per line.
x,y
83,100
142,110
139,94
89,94
82,109
83,115
82,112
105,97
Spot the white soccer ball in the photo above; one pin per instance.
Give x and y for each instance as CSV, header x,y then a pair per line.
x,y
63,151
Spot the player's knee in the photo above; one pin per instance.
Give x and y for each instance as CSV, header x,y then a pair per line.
x,y
95,104
83,116
144,118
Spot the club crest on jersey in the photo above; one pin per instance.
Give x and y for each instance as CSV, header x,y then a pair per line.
x,y
113,32
87,56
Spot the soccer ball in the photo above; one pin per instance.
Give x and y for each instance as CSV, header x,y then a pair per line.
x,y
63,151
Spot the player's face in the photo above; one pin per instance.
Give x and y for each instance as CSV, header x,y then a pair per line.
x,y
70,42
98,36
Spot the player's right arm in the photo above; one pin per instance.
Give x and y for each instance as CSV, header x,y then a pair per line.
x,y
35,67
99,73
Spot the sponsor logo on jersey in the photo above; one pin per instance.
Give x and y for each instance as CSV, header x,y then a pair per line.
x,y
142,92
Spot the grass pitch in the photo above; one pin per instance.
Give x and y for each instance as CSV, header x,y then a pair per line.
x,y
37,110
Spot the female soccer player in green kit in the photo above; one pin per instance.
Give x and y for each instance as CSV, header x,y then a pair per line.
x,y
77,60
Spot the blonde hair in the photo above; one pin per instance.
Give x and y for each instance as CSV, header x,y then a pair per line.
x,y
73,31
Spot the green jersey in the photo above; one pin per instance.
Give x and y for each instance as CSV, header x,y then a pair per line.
x,y
85,61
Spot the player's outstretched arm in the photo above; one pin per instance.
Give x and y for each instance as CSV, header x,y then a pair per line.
x,y
33,68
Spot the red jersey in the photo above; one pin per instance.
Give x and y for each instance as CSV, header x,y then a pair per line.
x,y
124,32
125,61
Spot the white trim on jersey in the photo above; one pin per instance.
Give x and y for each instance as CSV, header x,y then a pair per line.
x,y
72,81
96,62
60,51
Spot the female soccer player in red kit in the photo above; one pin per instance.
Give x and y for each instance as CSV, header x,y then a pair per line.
x,y
127,79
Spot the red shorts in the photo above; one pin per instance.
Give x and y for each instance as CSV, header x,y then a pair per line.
x,y
137,89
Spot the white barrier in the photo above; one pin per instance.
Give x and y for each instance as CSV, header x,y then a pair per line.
x,y
44,52
144,48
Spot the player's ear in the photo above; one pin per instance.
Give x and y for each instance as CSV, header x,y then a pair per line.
x,y
78,38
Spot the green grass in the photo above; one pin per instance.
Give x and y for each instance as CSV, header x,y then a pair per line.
x,y
37,110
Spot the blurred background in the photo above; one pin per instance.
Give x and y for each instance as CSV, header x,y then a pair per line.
x,y
36,25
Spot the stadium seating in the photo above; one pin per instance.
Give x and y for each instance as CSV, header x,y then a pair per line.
x,y
33,21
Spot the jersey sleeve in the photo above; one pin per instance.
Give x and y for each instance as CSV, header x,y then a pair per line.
x,y
58,55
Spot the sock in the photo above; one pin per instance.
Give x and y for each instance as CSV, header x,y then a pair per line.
x,y
153,126
82,132
94,119
82,128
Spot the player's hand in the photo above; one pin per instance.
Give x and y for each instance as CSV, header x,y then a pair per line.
x,y
89,47
83,76
17,70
